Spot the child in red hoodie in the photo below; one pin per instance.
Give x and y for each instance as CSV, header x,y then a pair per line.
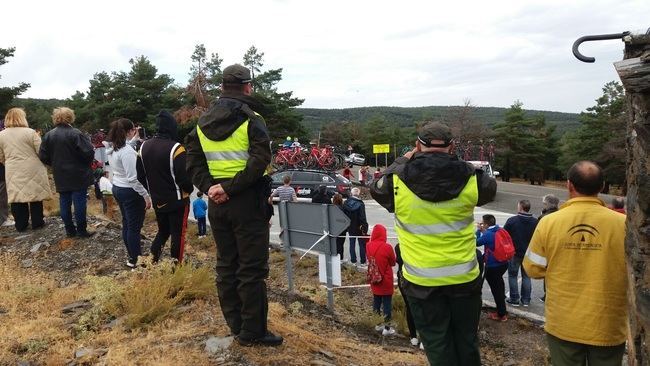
x,y
379,251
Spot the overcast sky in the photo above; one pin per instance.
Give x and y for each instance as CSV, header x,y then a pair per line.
x,y
335,54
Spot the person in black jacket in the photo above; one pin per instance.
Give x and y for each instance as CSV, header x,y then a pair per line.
x,y
227,156
169,185
356,211
69,152
521,228
321,195
426,181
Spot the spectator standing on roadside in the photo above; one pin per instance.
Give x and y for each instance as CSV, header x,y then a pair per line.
x,y
321,195
4,203
356,211
163,159
551,203
494,269
363,175
433,195
27,184
129,192
340,240
618,204
228,155
377,174
70,154
106,188
383,256
284,192
520,228
200,210
580,251
347,173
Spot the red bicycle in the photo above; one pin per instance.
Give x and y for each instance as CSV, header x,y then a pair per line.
x,y
290,158
322,158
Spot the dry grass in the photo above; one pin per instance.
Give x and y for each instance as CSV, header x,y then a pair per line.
x,y
151,295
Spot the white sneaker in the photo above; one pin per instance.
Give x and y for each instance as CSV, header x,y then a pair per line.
x,y
388,331
362,266
415,342
380,327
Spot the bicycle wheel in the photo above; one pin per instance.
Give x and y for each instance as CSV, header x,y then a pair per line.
x,y
329,164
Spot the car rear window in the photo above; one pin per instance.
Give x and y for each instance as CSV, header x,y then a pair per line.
x,y
341,178
278,177
303,177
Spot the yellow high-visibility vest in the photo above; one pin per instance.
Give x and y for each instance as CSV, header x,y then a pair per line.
x,y
437,239
228,157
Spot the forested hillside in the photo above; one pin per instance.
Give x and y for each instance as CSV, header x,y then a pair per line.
x,y
315,118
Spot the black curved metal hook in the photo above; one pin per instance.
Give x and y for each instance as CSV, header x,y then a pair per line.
x,y
599,37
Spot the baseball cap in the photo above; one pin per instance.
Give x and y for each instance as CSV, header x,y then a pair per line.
x,y
236,74
434,131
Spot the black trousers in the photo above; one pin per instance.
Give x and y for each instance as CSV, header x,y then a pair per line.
x,y
494,278
171,223
409,316
340,244
241,230
22,212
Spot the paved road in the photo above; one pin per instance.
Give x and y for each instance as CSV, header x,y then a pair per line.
x,y
508,194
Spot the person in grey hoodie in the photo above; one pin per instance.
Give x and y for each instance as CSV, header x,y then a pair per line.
x,y
129,192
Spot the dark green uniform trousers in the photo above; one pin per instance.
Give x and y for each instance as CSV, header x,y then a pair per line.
x,y
566,353
241,231
448,326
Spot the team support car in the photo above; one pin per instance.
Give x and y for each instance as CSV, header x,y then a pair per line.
x,y
307,181
486,166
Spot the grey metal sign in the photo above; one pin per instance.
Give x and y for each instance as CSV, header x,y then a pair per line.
x,y
308,222
312,227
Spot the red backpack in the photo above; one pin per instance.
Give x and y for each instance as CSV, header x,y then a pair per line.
x,y
373,275
504,249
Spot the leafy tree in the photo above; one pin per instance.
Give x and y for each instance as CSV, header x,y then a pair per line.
x,y
198,60
253,60
522,144
601,136
214,74
8,93
137,94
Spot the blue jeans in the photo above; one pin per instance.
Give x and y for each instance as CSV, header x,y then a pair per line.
x,y
132,207
385,302
79,199
513,271
362,249
202,225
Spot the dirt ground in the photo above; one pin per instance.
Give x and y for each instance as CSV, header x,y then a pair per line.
x,y
50,311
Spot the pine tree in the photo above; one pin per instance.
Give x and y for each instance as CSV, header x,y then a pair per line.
x,y
8,93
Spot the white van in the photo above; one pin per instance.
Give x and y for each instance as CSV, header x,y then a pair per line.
x,y
485,165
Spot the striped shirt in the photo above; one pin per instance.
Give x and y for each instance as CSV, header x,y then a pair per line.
x,y
285,193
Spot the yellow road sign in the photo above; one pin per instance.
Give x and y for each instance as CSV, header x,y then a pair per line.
x,y
381,149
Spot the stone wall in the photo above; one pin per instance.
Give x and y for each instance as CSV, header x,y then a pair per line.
x,y
634,72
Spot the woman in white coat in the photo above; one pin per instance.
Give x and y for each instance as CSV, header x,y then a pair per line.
x,y
26,176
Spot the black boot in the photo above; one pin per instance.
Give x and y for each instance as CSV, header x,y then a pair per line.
x,y
269,340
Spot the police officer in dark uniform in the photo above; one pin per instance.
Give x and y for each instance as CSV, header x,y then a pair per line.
x,y
227,156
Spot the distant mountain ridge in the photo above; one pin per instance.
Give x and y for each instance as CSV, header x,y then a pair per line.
x,y
314,118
